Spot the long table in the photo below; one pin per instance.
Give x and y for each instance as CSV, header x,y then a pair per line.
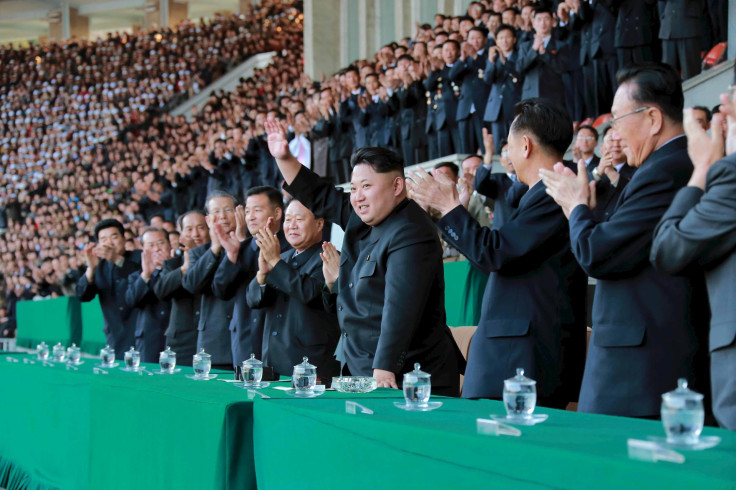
x,y
50,320
73,429
316,444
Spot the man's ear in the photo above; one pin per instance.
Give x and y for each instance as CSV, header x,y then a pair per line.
x,y
655,120
278,214
527,145
399,185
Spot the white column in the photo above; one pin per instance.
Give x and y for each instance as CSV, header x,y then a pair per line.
x,y
65,21
366,28
163,14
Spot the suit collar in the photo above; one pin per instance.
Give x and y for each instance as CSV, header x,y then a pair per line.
x,y
380,229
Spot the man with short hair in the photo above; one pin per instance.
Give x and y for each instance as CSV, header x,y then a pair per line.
x,y
442,92
214,321
611,175
106,276
181,334
702,116
533,313
287,289
391,252
153,313
647,326
264,206
585,143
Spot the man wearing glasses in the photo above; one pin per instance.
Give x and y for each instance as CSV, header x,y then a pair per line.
x,y
216,313
646,324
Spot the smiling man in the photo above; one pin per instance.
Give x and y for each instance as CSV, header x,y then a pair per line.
x,y
390,292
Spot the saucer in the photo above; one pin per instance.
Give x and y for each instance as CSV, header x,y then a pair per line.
x,y
704,442
413,408
535,419
107,366
253,386
302,394
132,370
78,363
201,378
161,371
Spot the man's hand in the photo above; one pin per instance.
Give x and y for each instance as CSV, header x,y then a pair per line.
x,y
240,226
567,189
147,267
263,269
185,264
438,192
278,146
269,245
728,108
92,261
215,244
105,252
489,146
466,190
330,264
703,150
386,379
229,242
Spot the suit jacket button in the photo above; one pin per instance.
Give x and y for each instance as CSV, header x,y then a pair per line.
x,y
279,315
350,285
196,313
274,333
339,307
345,334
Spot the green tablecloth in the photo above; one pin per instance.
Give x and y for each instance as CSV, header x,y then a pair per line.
x,y
93,338
315,444
464,286
78,430
50,320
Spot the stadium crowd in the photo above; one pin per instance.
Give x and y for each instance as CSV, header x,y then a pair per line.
x,y
127,227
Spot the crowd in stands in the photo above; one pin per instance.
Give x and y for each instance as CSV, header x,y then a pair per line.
x,y
86,134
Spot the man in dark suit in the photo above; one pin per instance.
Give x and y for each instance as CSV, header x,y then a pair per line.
x,y
611,175
350,109
533,313
106,276
442,129
410,99
634,32
328,126
572,76
214,320
503,188
153,313
468,74
505,82
181,334
288,290
391,252
263,206
698,231
376,113
646,324
541,62
598,53
586,141
681,30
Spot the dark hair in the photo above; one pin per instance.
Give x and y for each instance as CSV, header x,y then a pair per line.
x,y
452,41
466,18
657,84
441,33
494,14
274,196
382,160
292,200
549,124
607,130
154,229
369,75
513,9
483,32
542,10
180,219
453,167
352,68
218,193
589,128
405,57
173,232
708,115
505,27
108,223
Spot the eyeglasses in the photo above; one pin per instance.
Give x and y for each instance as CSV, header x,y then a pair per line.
x,y
615,120
587,138
222,212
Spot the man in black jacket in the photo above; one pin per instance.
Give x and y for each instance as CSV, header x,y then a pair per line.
x,y
106,276
181,334
391,252
153,313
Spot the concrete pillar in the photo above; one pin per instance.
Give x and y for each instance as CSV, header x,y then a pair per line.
x,y
367,28
349,32
244,5
731,29
69,24
404,26
445,7
321,39
179,11
423,11
386,22
164,13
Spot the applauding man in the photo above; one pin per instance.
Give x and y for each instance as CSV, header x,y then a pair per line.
x,y
390,290
288,289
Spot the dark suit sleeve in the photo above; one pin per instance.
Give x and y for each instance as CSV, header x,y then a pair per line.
x,y
620,246
169,285
259,297
138,292
486,183
304,288
513,247
430,83
526,59
85,290
198,279
407,275
698,228
228,276
459,69
321,197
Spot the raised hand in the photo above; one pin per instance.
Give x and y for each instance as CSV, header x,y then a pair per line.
x,y
147,266
240,226
269,244
488,145
704,150
330,264
229,242
278,146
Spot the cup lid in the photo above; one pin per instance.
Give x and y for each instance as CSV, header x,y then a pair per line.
x,y
252,362
132,350
681,394
417,375
169,352
514,383
304,367
202,354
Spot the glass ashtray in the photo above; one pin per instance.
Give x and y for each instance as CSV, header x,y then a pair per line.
x,y
354,384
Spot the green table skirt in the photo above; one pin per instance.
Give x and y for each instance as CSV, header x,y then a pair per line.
x,y
315,444
464,287
50,320
93,338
